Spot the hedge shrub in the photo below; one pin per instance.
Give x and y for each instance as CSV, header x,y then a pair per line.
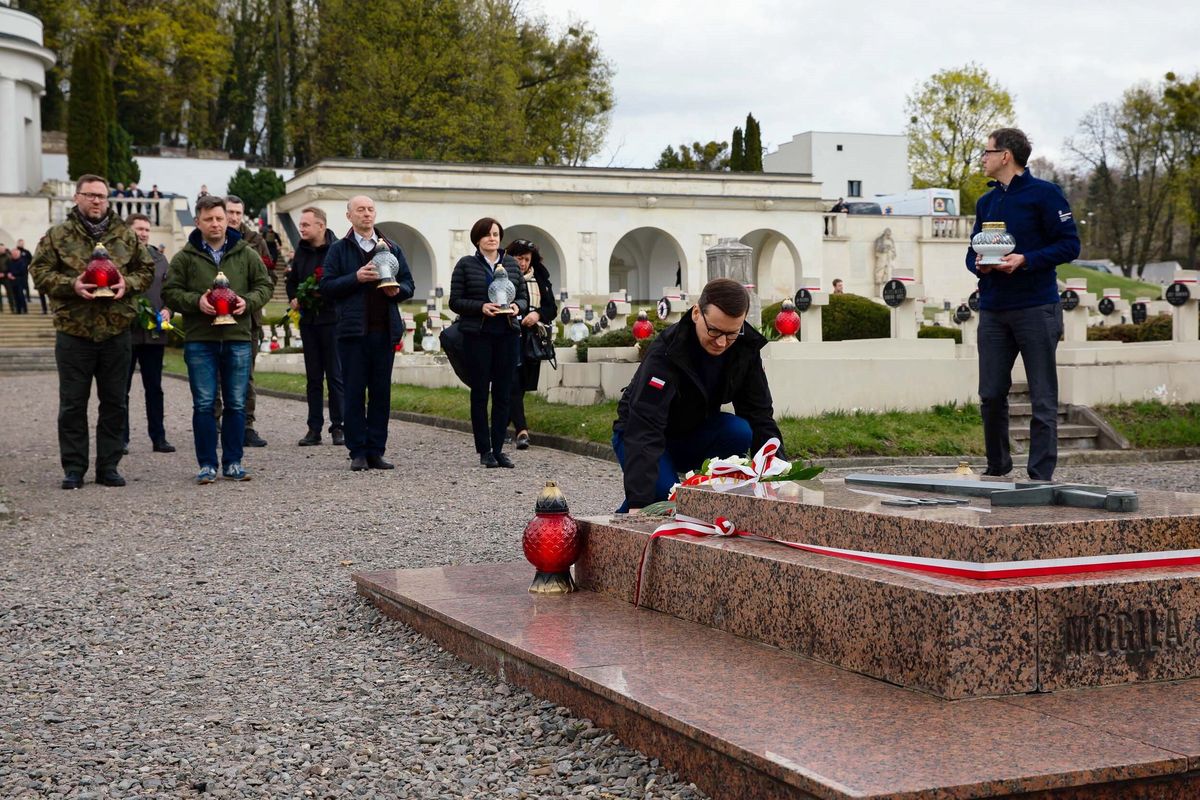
x,y
848,316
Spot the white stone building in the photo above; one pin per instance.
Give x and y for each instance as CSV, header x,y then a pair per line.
x,y
23,65
603,230
854,166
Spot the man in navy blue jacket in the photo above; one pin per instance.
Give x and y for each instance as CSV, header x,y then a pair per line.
x,y
1019,310
368,327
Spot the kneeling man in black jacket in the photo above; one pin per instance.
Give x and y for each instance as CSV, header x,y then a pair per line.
x,y
669,419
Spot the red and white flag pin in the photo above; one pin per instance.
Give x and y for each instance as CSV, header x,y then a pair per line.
x,y
657,383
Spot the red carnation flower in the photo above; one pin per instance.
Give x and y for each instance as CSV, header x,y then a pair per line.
x,y
318,272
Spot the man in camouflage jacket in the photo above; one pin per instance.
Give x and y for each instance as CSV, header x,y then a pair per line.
x,y
92,334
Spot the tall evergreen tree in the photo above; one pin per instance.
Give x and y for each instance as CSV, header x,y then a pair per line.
x,y
737,152
88,112
754,150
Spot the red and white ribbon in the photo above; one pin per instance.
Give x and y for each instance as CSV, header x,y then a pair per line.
x,y
684,525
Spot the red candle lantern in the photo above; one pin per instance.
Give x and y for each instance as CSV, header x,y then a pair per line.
x,y
552,543
102,273
643,328
787,321
223,299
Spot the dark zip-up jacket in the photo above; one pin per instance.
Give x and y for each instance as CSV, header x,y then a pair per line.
x,y
191,274
138,333
667,398
340,285
548,309
469,292
304,264
1036,213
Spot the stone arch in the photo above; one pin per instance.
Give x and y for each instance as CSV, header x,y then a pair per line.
x,y
644,261
776,263
421,260
547,245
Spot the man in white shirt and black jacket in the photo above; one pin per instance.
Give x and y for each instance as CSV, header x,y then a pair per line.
x,y
669,419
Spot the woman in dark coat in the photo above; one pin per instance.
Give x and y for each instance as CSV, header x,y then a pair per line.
x,y
542,309
491,337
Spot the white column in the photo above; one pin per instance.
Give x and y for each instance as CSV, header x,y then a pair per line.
x,y
10,178
33,144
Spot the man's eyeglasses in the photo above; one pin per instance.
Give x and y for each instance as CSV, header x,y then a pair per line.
x,y
985,152
94,197
717,333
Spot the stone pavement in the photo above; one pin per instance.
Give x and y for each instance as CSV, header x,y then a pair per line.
x,y
168,639
174,640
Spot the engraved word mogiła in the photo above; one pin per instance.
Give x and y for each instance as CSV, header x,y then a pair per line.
x,y
1141,630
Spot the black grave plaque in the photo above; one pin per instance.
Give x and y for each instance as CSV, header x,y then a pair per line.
x,y
565,316
664,308
973,300
439,292
894,293
1070,299
1139,313
610,310
604,321
803,300
1106,306
1178,294
962,313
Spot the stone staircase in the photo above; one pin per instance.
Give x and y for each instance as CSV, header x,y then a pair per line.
x,y
26,341
1079,428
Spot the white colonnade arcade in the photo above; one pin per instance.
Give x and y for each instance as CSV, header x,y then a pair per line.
x,y
599,230
23,65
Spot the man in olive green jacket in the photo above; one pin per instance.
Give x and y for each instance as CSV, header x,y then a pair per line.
x,y
235,210
217,355
92,334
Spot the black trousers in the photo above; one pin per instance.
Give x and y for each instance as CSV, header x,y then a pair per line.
x,y
367,378
81,361
322,365
1032,333
491,361
149,357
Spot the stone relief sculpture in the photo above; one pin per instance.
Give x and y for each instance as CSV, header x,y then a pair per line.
x,y
885,257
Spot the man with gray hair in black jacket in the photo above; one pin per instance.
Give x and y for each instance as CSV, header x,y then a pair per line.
x,y
317,320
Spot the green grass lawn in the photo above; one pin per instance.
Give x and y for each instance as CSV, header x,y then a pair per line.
x,y
1097,282
947,430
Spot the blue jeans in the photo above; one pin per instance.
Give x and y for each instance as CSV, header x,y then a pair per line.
x,y
226,363
720,436
1033,333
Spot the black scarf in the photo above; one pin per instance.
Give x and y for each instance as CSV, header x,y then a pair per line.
x,y
96,230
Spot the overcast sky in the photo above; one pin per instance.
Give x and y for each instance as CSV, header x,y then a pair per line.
x,y
689,70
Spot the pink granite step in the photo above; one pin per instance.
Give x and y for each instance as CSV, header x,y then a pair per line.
x,y
743,719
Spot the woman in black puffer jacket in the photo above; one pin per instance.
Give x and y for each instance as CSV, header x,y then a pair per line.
x,y
542,310
491,337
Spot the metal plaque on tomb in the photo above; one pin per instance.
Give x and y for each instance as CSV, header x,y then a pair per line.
x,y
1106,306
962,313
610,310
1139,313
1070,300
803,300
894,293
1178,294
973,300
596,327
1000,493
589,315
664,308
604,321
439,292
565,316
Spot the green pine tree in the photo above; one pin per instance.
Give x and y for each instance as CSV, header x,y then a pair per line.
x,y
753,158
87,112
737,152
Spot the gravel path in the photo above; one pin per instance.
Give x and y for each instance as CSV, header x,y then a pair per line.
x,y
172,640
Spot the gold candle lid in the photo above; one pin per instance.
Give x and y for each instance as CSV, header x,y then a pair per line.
x,y
993,226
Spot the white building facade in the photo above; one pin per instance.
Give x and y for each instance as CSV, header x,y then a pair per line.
x,y
23,65
606,230
853,166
